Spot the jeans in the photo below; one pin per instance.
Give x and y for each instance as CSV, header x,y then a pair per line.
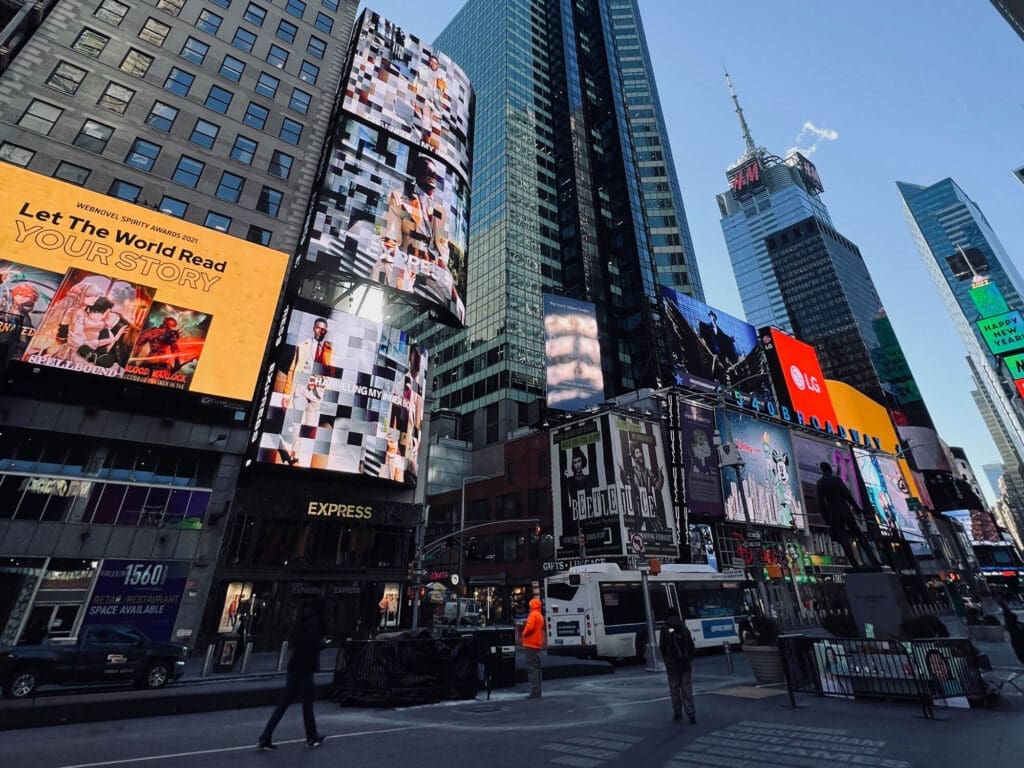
x,y
298,687
680,688
533,670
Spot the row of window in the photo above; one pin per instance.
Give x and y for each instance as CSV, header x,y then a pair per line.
x,y
296,8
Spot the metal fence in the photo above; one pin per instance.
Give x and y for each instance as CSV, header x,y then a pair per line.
x,y
940,672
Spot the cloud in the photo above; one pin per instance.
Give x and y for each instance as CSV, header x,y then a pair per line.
x,y
811,135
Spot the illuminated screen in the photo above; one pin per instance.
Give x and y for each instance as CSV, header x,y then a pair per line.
x,y
392,215
1015,365
989,300
887,495
711,348
572,354
798,370
978,525
1003,333
809,455
406,87
347,396
107,288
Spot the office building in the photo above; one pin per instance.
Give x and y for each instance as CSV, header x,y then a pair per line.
x,y
1013,12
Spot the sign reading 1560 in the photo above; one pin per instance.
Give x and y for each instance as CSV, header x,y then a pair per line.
x,y
145,574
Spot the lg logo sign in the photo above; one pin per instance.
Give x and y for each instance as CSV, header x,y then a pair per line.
x,y
802,381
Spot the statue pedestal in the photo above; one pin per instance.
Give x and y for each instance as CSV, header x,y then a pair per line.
x,y
876,598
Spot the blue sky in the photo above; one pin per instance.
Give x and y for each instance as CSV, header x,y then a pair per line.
x,y
908,90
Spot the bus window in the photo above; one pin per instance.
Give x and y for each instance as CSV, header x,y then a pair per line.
x,y
622,603
561,591
700,601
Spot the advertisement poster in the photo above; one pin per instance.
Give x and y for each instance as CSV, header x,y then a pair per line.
x,y
978,525
572,354
25,295
702,545
810,454
144,594
644,495
230,616
711,348
117,261
702,480
887,494
348,396
769,482
169,347
799,382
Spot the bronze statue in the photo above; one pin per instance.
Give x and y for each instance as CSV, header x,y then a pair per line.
x,y
838,507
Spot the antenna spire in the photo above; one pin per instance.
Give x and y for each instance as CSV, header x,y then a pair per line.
x,y
751,147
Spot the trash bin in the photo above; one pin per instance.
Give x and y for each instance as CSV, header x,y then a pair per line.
x,y
496,650
227,652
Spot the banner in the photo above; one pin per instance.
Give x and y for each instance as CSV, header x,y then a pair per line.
x,y
702,478
572,354
810,454
144,594
649,518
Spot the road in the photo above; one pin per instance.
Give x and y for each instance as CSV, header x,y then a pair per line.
x,y
610,721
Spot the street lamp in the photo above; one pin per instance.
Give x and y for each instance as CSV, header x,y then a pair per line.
x,y
462,538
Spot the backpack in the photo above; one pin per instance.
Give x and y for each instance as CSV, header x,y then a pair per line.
x,y
679,645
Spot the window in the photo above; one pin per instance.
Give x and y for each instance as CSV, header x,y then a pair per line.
x,y
173,206
217,221
324,23
256,116
258,235
179,81
154,32
173,7
90,43
291,131
296,8
281,164
309,72
204,134
194,50
136,63
15,154
40,117
270,201
93,136
66,78
142,155
244,150
218,99
209,22
230,187
116,98
254,14
188,171
76,174
125,191
232,68
277,56
222,3
267,85
162,116
111,12
330,5
287,31
299,101
244,40
317,47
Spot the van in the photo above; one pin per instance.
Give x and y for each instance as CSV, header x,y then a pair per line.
x,y
472,613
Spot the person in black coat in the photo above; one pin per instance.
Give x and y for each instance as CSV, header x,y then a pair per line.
x,y
836,505
305,642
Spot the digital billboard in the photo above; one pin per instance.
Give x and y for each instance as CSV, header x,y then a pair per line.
x,y
887,494
925,449
798,378
810,453
1015,365
1003,333
390,214
399,83
107,288
768,477
709,348
347,396
701,479
988,300
978,525
644,494
572,354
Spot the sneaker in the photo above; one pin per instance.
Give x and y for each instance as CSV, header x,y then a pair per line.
x,y
265,746
316,742
693,719
676,717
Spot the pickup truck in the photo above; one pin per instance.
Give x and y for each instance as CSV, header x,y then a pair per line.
x,y
100,654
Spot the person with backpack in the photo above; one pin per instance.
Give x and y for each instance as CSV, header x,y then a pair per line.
x,y
677,650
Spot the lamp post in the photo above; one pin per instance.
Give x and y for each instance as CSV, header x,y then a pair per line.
x,y
462,538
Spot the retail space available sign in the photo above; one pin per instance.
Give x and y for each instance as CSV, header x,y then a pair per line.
x,y
144,594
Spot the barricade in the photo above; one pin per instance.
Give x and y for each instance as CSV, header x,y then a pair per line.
x,y
940,672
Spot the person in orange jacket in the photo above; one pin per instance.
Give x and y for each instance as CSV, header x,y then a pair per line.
x,y
533,641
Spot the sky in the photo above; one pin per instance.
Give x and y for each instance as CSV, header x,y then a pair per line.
x,y
876,92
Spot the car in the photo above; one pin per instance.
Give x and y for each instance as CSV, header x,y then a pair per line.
x,y
471,615
100,654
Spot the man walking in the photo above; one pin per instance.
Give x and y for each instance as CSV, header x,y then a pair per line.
x,y
533,641
305,641
677,649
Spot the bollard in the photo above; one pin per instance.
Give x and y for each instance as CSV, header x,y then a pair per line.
x,y
281,656
208,661
728,656
245,657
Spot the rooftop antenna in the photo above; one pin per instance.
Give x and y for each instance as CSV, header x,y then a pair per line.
x,y
751,147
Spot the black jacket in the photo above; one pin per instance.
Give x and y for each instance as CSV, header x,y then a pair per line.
x,y
305,641
835,502
676,646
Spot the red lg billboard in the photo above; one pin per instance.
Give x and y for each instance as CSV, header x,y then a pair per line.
x,y
798,378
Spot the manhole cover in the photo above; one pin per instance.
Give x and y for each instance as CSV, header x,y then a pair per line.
x,y
482,708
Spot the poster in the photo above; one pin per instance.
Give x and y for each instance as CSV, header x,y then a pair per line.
x,y
887,494
237,593
702,545
144,594
644,495
25,295
702,481
810,453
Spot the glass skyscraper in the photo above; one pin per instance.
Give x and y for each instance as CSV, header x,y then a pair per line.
x,y
574,193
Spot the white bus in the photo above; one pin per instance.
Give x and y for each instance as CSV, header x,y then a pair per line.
x,y
598,610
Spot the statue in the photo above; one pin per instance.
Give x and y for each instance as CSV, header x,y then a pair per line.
x,y
838,507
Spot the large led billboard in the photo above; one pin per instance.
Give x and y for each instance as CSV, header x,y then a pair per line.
x,y
810,453
644,493
887,495
107,288
978,525
702,482
988,300
709,348
1003,333
347,396
572,354
799,382
390,214
925,449
399,83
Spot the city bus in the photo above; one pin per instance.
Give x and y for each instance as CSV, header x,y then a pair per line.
x,y
597,610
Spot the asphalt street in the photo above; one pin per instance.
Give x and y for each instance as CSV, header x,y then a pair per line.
x,y
611,721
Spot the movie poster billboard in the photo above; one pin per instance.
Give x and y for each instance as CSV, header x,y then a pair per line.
x,y
390,214
711,349
572,354
648,514
84,271
767,473
702,545
799,382
347,396
399,83
888,492
144,594
702,480
810,453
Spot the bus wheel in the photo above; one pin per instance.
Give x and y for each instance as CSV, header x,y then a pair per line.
x,y
640,648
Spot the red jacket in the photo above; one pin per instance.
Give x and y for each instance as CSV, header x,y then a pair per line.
x,y
533,632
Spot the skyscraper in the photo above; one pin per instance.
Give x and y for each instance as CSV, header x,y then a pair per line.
x,y
1013,12
575,194
795,271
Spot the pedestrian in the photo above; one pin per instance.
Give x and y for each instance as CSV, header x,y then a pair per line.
x,y
677,649
533,641
305,640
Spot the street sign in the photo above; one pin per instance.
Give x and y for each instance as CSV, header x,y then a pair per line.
x,y
637,542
